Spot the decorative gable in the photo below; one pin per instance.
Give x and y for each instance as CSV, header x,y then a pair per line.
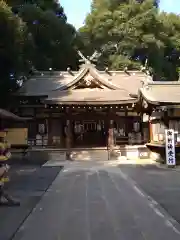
x,y
87,82
88,77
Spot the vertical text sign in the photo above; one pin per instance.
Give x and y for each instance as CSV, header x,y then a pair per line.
x,y
170,147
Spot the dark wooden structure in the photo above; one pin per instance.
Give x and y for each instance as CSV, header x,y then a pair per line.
x,y
161,101
7,119
92,108
88,108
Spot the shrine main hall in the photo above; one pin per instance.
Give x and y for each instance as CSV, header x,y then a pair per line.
x,y
91,108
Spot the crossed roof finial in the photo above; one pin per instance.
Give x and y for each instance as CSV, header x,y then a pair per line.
x,y
88,60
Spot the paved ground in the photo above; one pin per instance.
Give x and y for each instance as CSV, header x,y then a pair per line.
x,y
99,201
29,183
161,184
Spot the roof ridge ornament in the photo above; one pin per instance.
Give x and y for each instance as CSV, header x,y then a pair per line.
x,y
89,59
145,68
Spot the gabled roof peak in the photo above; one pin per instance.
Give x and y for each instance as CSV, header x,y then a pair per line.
x,y
96,77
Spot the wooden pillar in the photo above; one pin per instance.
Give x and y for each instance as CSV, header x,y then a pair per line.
x,y
68,132
61,133
166,119
111,135
150,130
50,137
142,127
126,121
35,125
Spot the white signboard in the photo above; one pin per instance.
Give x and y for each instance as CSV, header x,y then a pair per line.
x,y
170,147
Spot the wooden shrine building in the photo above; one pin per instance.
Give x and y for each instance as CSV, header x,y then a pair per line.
x,y
92,108
82,109
161,101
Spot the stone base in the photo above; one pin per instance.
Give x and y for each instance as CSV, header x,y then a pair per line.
x,y
102,154
132,152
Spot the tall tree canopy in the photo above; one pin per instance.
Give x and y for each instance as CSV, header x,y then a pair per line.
x,y
34,34
52,36
130,32
13,41
112,4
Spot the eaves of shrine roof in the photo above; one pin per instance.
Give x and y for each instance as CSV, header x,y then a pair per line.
x,y
90,97
42,84
5,114
161,93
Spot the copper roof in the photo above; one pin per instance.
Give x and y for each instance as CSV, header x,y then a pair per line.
x,y
162,93
62,87
90,97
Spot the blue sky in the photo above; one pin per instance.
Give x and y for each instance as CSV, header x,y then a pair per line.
x,y
76,10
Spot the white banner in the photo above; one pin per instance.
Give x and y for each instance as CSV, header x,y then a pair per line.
x,y
170,147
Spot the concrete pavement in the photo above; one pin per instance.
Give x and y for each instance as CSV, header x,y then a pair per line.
x,y
162,184
97,201
29,183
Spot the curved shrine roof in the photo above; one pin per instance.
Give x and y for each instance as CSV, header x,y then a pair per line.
x,y
164,93
88,85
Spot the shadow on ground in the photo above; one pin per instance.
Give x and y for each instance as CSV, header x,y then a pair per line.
x,y
29,181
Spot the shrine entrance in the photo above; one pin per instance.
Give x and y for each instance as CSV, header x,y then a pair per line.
x,y
90,133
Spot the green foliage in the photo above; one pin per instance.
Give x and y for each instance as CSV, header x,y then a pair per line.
x,y
34,34
53,38
113,4
130,32
13,42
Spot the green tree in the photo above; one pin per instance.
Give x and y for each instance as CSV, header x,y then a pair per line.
x,y
53,5
130,34
53,38
171,38
13,42
113,4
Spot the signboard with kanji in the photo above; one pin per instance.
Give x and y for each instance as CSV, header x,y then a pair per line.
x,y
170,147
